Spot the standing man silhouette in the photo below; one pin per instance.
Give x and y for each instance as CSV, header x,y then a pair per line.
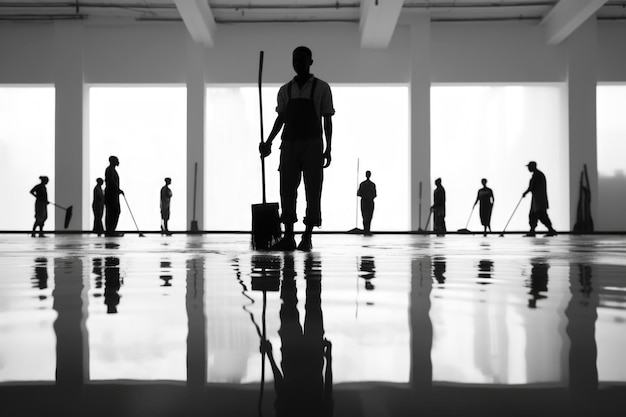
x,y
166,196
98,207
439,209
40,193
539,202
112,197
367,192
302,105
485,197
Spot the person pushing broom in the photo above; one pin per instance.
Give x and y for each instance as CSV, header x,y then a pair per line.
x,y
303,103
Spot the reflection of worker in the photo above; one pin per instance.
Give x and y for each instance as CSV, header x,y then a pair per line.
x,y
485,197
40,193
538,281
302,104
439,208
112,193
112,284
98,207
367,192
303,388
539,202
166,196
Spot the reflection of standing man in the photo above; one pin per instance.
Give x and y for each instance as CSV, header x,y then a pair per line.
x,y
302,105
367,192
112,193
98,207
539,202
303,387
485,197
166,196
439,208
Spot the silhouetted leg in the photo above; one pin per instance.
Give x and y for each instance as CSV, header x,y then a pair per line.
x,y
532,221
313,179
290,177
367,211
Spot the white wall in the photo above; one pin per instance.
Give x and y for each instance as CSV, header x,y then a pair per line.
x,y
157,53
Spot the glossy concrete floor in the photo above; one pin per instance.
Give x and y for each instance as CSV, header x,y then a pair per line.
x,y
387,325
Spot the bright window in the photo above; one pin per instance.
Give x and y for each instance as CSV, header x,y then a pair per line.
x,y
370,129
492,132
611,128
26,152
146,128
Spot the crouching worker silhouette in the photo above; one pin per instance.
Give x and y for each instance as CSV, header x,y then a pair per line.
x,y
304,387
302,104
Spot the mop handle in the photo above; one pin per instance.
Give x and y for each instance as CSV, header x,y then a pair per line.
x,y
130,211
514,210
261,122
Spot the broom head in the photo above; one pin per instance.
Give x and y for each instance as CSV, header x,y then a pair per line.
x,y
68,216
265,225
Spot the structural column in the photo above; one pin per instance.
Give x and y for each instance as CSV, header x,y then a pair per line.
x,y
581,48
196,92
71,150
420,120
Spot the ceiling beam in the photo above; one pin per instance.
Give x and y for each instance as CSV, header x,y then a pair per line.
x,y
199,20
566,16
378,21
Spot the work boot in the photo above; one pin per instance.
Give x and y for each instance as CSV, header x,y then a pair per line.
x,y
287,243
305,244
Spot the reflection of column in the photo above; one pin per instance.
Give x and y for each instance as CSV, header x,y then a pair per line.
x,y
421,326
196,337
582,314
70,304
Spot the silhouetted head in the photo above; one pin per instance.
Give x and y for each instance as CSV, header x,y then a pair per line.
x,y
368,174
44,179
302,59
438,182
99,181
168,180
532,166
113,160
484,181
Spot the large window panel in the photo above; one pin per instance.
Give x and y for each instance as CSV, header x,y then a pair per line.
x,y
365,136
493,131
611,128
26,152
146,128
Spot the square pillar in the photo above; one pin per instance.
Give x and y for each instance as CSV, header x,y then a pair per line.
x,y
581,95
419,152
71,150
196,95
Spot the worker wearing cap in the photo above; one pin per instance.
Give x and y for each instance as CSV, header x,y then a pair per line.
x,y
539,202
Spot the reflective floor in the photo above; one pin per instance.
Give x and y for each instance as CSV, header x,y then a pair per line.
x,y
387,325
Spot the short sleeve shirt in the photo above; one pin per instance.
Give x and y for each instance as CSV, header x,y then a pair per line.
x,y
322,96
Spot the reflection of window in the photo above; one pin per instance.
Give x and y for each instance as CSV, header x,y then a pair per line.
x,y
365,129
483,131
145,127
28,347
611,128
137,324
26,152
501,330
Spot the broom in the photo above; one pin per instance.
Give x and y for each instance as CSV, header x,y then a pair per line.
x,y
68,214
265,220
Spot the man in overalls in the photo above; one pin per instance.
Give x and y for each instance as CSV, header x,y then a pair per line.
x,y
302,105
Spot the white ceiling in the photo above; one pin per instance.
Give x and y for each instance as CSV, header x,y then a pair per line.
x,y
376,18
